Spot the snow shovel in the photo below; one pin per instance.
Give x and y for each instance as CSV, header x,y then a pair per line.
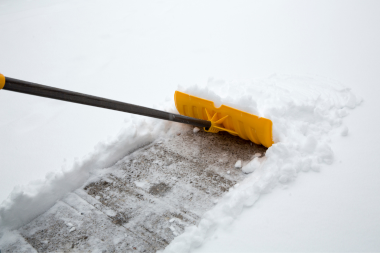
x,y
194,111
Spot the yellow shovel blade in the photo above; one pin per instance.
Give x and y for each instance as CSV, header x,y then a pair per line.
x,y
245,125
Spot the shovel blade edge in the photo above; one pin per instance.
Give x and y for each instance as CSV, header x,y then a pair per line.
x,y
245,125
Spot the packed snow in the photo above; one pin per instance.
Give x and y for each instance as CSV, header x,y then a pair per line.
x,y
317,186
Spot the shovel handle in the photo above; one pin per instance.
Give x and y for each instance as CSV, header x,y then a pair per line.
x,y
20,86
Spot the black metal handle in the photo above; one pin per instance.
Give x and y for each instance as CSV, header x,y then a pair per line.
x,y
15,85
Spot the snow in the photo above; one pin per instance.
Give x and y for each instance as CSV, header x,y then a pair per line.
x,y
196,130
344,131
142,184
123,50
13,237
238,164
252,165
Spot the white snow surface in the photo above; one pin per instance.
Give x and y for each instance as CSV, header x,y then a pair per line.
x,y
238,164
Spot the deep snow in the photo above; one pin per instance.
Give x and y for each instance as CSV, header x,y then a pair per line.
x,y
152,48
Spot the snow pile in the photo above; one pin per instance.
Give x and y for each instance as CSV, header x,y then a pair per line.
x,y
306,112
27,202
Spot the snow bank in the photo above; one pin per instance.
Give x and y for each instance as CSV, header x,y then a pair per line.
x,y
27,202
306,112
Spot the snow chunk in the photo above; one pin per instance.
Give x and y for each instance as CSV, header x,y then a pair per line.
x,y
141,184
238,164
196,130
72,229
110,212
252,165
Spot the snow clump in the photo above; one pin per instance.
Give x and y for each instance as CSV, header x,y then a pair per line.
x,y
253,165
238,164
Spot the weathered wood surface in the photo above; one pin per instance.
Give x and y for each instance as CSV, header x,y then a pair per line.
x,y
145,200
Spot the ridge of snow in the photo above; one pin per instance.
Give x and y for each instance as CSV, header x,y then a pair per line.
x,y
27,202
306,112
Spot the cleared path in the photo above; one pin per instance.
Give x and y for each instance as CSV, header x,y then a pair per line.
x,y
145,200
